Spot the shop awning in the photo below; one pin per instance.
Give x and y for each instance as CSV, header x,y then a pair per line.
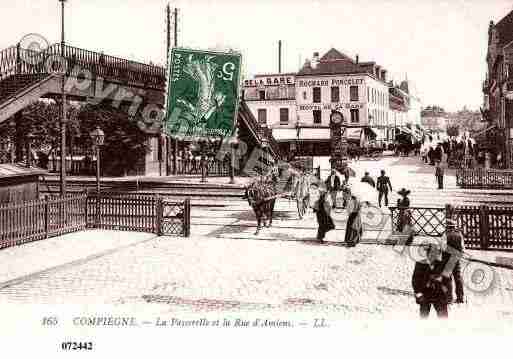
x,y
378,133
481,133
354,133
405,130
305,134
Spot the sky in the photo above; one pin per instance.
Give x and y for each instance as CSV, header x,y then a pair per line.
x,y
440,46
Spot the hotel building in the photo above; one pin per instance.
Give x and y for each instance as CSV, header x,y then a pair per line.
x,y
297,106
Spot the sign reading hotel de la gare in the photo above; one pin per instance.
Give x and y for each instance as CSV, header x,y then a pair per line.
x,y
203,93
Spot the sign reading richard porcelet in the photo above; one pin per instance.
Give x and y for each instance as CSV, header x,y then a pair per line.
x,y
203,93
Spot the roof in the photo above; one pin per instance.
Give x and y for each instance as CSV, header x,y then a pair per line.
x,y
8,170
334,62
505,29
334,54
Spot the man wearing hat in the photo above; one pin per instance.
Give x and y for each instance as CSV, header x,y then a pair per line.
x,y
453,251
382,185
430,287
333,186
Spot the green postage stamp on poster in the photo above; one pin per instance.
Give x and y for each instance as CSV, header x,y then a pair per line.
x,y
202,93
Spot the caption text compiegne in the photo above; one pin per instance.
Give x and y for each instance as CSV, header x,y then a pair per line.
x,y
174,322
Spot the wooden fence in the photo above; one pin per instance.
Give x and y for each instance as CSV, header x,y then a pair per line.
x,y
483,227
31,221
484,178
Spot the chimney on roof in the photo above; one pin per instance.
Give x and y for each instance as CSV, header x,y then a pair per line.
x,y
357,59
315,60
279,56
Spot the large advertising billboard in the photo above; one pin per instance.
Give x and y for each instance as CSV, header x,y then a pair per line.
x,y
202,93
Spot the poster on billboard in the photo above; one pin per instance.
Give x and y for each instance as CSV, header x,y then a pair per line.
x,y
202,93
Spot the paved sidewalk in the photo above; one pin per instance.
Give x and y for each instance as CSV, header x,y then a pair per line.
x,y
28,259
170,275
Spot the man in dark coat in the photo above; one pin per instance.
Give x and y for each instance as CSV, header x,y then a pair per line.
x,y
439,175
333,186
431,288
431,156
382,185
368,179
455,246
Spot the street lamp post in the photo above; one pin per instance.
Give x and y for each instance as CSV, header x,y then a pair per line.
x,y
338,140
98,137
63,114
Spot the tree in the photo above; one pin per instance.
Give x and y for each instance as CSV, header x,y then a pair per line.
x,y
125,143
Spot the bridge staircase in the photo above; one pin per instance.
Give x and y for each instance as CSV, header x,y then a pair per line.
x,y
27,75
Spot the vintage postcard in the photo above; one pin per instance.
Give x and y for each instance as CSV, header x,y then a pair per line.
x,y
201,177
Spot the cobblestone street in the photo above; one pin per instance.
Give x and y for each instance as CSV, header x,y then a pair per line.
x,y
224,267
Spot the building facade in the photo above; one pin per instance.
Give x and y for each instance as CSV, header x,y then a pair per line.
x,y
498,91
297,106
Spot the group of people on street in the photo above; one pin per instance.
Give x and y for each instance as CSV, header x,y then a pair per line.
x,y
327,201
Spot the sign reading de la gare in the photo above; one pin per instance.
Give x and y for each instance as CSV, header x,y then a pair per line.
x,y
269,81
202,93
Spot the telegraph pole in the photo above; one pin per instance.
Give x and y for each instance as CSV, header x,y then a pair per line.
x,y
168,45
63,114
175,44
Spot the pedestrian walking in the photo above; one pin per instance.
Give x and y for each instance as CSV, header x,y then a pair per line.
x,y
347,173
430,287
368,179
383,184
405,223
431,156
453,251
439,175
354,228
322,208
333,186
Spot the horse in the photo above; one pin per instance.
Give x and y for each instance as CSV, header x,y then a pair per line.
x,y
261,195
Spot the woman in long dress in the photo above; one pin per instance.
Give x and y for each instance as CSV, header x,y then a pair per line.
x,y
354,228
322,208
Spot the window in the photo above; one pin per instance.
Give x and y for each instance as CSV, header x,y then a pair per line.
x,y
353,93
335,94
373,97
368,97
317,95
284,116
262,116
304,95
317,116
355,115
261,94
154,143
